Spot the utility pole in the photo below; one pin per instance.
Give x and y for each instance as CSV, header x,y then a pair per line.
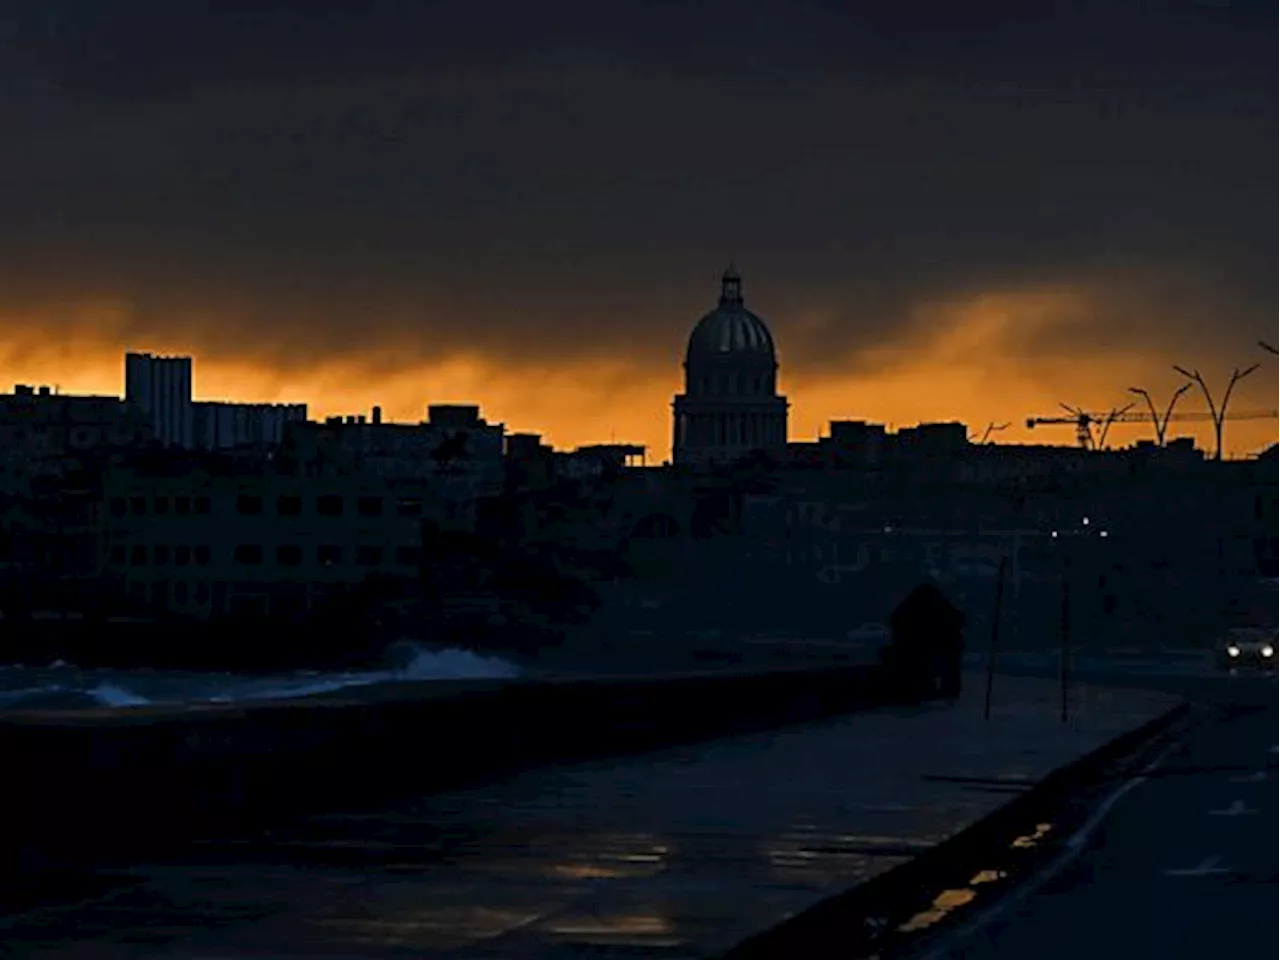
x,y
1066,632
1218,413
1161,423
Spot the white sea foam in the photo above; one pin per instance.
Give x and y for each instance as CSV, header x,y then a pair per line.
x,y
121,689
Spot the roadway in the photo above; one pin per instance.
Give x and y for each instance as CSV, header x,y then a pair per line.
x,y
1182,864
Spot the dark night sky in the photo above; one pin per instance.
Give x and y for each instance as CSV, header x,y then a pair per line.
x,y
940,208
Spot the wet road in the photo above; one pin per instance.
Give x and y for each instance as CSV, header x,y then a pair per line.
x,y
1183,865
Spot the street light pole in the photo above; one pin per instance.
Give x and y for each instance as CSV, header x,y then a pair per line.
x,y
1161,424
1066,632
1218,413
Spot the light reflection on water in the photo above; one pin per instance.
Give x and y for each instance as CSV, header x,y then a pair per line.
x,y
639,930
809,855
439,928
952,899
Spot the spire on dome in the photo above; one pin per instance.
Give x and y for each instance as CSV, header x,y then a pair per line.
x,y
731,287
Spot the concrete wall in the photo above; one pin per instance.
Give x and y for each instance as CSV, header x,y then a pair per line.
x,y
95,786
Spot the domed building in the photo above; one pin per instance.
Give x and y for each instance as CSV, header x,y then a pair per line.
x,y
730,405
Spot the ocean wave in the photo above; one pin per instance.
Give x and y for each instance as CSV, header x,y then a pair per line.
x,y
73,689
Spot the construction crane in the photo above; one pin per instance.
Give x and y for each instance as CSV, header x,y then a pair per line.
x,y
1084,421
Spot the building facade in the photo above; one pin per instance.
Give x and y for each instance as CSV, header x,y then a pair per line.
x,y
730,406
161,388
208,543
227,426
456,452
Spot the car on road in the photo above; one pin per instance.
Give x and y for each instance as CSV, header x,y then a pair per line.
x,y
1248,648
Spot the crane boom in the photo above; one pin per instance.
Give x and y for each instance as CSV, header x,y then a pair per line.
x,y
1084,420
1142,417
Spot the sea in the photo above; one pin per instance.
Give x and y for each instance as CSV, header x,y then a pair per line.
x,y
60,685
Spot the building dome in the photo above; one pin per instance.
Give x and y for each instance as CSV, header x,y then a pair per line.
x,y
730,331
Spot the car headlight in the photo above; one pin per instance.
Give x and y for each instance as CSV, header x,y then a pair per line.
x,y
1233,651
1268,651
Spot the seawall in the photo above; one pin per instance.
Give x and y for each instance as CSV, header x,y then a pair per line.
x,y
98,786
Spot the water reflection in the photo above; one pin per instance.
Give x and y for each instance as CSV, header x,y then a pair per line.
x,y
949,900
1027,841
808,855
613,857
439,928
648,930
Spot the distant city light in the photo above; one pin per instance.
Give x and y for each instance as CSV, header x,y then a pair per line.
x,y
1054,534
1085,521
1102,533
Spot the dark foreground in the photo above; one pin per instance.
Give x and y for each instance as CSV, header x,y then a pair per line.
x,y
680,853
1183,864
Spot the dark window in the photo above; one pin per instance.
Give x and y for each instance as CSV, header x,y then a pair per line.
x,y
369,556
119,507
180,591
409,556
182,505
202,592
248,553
329,505
138,590
139,505
409,507
328,553
203,505
248,504
289,554
161,505
289,506
182,556
138,555
370,506
202,555
162,554
158,590
118,555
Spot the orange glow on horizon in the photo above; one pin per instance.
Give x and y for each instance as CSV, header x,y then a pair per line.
x,y
975,368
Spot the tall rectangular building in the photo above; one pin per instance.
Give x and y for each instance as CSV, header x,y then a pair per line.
x,y
161,388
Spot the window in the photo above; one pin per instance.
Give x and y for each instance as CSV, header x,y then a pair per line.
x,y
328,553
139,505
329,505
118,555
180,591
138,590
119,507
202,555
289,554
248,553
202,592
182,505
409,556
158,591
161,506
162,554
138,555
369,556
287,506
248,504
370,506
203,505
409,507
182,556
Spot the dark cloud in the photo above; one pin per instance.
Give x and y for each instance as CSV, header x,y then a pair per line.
x,y
297,178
